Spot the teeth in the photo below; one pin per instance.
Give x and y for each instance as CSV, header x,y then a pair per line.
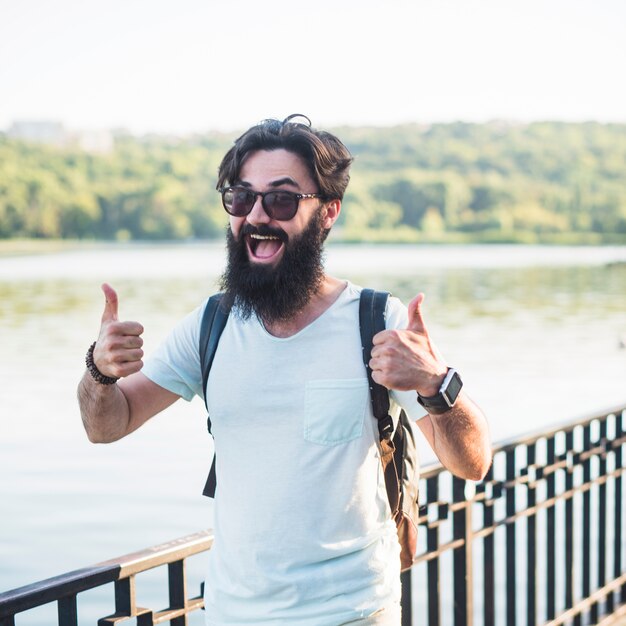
x,y
255,236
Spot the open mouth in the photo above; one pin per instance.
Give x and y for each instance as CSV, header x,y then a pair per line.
x,y
263,248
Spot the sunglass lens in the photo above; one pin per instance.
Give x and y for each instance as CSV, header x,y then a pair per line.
x,y
238,202
281,205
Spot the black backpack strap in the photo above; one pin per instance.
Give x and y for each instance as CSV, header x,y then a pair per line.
x,y
372,320
213,322
372,308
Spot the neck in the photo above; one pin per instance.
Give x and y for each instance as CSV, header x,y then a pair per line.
x,y
322,299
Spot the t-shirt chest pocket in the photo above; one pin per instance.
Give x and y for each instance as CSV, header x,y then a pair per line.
x,y
334,410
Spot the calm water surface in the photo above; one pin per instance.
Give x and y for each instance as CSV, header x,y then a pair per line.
x,y
536,333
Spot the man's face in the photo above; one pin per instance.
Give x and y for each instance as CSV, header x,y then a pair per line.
x,y
272,170
274,267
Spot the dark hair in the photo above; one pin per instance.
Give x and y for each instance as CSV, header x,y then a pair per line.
x,y
326,157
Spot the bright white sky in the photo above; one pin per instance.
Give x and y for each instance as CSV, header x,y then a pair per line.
x,y
196,65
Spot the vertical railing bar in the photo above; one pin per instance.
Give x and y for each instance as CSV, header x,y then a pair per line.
x,y
177,590
569,525
551,533
462,600
610,599
619,496
469,556
511,560
406,582
586,523
125,597
489,595
67,609
602,528
531,540
433,565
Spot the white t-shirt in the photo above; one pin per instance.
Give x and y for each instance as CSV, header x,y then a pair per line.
x,y
303,534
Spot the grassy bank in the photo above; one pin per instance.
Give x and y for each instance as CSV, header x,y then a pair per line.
x,y
24,247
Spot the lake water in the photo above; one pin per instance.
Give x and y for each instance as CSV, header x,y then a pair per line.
x,y
537,333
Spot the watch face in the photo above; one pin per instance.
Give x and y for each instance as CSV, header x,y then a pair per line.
x,y
453,388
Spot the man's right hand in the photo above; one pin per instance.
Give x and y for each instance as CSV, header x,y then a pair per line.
x,y
118,350
110,412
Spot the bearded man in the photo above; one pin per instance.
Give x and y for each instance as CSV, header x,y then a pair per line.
x,y
303,532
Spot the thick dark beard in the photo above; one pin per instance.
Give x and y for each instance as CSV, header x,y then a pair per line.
x,y
275,293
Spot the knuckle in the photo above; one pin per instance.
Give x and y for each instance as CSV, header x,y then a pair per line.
x,y
115,370
134,329
382,336
113,328
116,344
394,334
133,367
130,367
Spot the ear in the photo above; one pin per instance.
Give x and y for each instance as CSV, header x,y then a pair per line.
x,y
331,212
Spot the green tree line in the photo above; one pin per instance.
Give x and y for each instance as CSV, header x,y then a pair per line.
x,y
539,182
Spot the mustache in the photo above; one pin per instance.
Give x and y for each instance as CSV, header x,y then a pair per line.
x,y
265,231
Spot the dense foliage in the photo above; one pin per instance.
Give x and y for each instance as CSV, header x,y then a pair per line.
x,y
553,182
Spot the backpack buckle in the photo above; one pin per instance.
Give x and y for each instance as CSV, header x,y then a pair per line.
x,y
385,428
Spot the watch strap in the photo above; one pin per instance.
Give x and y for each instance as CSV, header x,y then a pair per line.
x,y
444,400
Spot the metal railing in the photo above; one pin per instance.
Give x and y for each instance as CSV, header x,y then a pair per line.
x,y
122,573
539,541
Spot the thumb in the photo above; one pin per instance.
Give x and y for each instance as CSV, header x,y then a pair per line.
x,y
110,305
416,320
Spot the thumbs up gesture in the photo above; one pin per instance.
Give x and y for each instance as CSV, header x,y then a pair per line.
x,y
407,359
118,350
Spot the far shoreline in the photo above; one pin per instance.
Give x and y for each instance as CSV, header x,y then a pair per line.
x,y
33,246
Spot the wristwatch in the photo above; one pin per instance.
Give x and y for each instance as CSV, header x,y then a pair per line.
x,y
448,393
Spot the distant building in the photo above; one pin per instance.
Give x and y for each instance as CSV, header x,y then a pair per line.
x,y
94,140
48,132
55,134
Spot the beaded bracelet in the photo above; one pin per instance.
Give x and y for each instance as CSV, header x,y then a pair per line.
x,y
96,374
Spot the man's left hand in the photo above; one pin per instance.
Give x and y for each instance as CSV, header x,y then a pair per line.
x,y
407,359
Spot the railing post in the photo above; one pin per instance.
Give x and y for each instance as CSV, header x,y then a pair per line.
x,y
407,598
586,525
177,590
619,495
531,539
432,567
569,521
125,602
462,530
602,518
551,530
67,611
511,543
489,597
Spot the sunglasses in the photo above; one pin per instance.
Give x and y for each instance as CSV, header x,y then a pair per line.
x,y
279,205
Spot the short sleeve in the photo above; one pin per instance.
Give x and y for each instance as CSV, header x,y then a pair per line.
x,y
175,364
397,318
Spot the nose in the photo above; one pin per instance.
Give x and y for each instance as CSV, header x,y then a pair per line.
x,y
258,215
